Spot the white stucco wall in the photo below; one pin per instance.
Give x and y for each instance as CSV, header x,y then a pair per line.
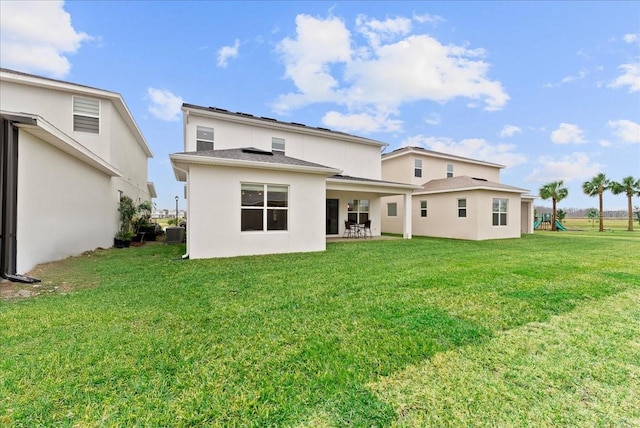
x,y
214,206
343,205
354,159
64,206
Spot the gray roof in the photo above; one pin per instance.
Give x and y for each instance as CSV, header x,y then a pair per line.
x,y
264,119
252,154
365,180
464,182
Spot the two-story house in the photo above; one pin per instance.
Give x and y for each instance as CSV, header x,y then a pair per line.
x,y
458,197
256,185
68,152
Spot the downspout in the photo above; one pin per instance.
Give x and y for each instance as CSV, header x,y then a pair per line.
x,y
9,202
186,173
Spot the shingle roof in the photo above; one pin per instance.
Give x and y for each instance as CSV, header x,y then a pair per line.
x,y
466,183
252,154
265,120
365,180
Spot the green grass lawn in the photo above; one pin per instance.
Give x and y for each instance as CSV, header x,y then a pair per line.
x,y
538,331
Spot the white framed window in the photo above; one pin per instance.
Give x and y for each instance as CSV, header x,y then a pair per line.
x,y
277,144
499,214
204,138
417,167
449,170
462,208
358,210
423,208
264,207
392,209
86,115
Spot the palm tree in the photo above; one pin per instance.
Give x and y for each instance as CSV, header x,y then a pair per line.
x,y
597,186
630,186
592,214
556,192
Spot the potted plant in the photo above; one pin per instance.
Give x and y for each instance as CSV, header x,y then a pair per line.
x,y
142,225
127,210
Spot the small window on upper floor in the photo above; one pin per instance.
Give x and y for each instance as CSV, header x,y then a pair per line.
x,y
86,115
417,167
449,170
277,144
204,138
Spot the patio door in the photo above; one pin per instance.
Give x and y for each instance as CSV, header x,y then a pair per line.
x,y
332,216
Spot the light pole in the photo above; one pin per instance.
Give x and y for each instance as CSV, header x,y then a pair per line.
x,y
177,224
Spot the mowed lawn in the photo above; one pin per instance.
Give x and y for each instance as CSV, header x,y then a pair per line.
x,y
538,331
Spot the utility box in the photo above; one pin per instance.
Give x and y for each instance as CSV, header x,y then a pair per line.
x,y
174,235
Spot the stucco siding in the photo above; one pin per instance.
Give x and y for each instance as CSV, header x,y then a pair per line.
x,y
64,206
354,159
215,207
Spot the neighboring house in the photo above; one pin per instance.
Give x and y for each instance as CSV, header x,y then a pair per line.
x,y
67,154
458,198
256,185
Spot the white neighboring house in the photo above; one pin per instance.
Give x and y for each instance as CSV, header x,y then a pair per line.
x,y
68,152
458,198
256,185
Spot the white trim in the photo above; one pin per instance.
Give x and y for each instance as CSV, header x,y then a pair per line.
x,y
52,135
438,155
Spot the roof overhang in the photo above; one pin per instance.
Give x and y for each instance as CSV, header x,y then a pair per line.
x,y
405,151
114,97
262,122
381,188
472,188
151,188
40,128
181,162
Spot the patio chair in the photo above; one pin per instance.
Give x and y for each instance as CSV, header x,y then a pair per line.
x,y
348,232
367,229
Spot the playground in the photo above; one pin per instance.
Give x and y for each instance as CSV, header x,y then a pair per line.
x,y
543,222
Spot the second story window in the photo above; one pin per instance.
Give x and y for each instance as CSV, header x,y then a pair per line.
x,y
449,170
86,115
417,168
204,138
277,144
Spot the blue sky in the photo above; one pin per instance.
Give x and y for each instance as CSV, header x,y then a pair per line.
x,y
549,89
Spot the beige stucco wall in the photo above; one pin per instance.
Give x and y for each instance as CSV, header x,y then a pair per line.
x,y
64,206
214,206
354,159
442,216
401,169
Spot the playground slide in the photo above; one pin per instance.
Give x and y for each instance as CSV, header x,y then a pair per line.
x,y
559,226
536,224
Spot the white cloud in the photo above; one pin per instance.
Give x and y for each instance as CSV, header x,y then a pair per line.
x,y
630,77
474,148
631,38
378,31
164,105
573,167
568,79
326,64
361,122
568,133
627,131
428,18
605,143
227,52
38,37
433,119
509,131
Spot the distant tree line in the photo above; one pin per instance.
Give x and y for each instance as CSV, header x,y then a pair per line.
x,y
629,186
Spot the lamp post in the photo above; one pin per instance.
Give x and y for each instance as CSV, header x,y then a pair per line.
x,y
177,224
